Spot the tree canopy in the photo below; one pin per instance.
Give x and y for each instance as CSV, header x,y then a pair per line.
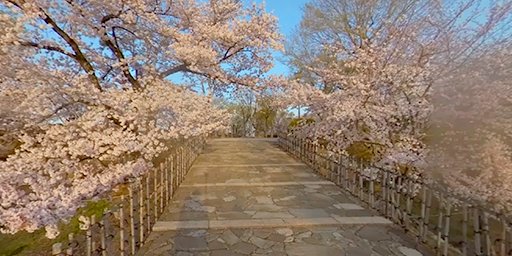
x,y
406,85
85,100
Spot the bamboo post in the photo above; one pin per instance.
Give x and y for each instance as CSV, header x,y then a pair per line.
x,y
307,153
301,153
391,195
154,193
289,144
310,153
295,149
89,241
354,177
427,215
294,143
318,158
121,227
167,198
383,187
326,164
399,198
509,247
333,172
289,141
103,226
372,189
183,163
186,161
56,249
184,152
439,225
300,148
408,206
171,172
132,221
161,185
422,216
447,227
338,172
71,241
180,167
315,156
177,165
93,237
140,195
465,229
476,226
485,233
346,174
148,203
503,242
361,184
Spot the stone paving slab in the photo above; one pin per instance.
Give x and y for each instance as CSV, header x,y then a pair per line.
x,y
259,184
246,197
248,201
260,173
248,159
353,240
267,223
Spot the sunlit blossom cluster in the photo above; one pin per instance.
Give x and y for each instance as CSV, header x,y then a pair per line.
x,y
378,105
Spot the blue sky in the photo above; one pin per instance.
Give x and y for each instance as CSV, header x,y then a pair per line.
x,y
289,13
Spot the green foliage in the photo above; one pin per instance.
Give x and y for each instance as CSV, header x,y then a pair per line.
x,y
298,122
365,151
252,115
36,243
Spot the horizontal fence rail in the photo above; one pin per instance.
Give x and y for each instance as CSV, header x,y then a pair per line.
x,y
450,225
127,223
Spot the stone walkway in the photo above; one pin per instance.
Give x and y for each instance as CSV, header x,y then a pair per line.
x,y
248,197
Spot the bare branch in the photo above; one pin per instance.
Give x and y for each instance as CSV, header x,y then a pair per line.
x,y
116,50
78,56
47,47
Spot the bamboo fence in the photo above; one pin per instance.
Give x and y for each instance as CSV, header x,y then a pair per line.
x,y
445,222
125,226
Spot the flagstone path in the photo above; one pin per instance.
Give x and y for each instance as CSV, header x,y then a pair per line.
x,y
248,197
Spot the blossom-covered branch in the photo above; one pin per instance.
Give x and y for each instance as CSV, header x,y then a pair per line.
x,y
85,103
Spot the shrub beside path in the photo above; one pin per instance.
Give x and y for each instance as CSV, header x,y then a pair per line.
x,y
248,197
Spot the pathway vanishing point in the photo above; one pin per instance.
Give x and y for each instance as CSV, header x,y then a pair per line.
x,y
248,197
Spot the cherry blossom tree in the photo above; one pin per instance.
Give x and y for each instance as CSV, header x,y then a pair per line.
x,y
87,104
470,131
374,66
377,107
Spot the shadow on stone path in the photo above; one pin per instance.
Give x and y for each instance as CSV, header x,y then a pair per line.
x,y
248,197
